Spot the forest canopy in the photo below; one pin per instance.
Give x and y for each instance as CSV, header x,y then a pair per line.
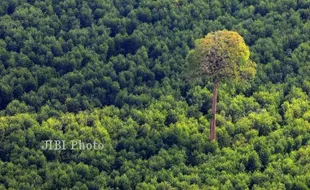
x,y
113,71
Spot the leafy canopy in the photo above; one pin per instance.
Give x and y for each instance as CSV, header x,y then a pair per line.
x,y
221,55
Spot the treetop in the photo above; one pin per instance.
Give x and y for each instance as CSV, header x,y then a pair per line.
x,y
221,55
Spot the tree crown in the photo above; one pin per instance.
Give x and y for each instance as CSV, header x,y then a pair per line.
x,y
221,55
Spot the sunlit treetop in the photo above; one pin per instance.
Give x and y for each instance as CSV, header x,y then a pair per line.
x,y
221,55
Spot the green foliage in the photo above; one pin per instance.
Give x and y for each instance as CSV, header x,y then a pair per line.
x,y
222,55
111,71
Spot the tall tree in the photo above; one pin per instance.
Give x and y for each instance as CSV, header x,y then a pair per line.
x,y
221,56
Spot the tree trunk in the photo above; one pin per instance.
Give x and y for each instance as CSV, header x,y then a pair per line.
x,y
213,120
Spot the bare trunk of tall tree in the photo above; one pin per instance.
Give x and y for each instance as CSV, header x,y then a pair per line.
x,y
213,120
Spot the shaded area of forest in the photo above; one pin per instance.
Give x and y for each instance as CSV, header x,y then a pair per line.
x,y
113,71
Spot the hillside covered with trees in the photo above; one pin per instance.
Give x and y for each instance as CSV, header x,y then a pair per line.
x,y
114,71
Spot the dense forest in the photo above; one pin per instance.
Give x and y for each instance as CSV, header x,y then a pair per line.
x,y
114,71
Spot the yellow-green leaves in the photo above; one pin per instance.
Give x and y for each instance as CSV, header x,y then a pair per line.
x,y
221,55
